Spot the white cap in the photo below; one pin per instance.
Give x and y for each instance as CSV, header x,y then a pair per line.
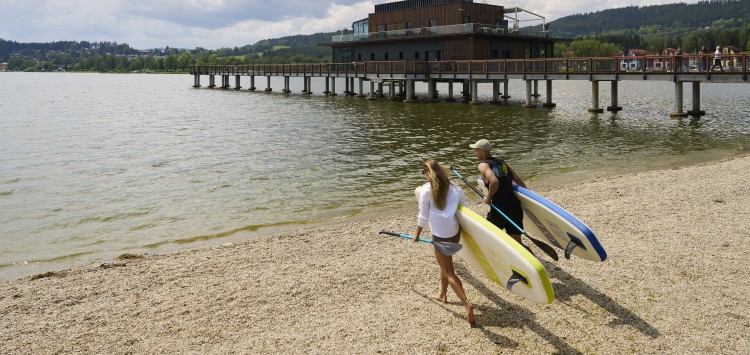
x,y
482,144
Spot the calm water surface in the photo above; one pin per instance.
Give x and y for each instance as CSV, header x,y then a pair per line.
x,y
95,164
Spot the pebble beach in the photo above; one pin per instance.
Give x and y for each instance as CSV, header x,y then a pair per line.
x,y
676,281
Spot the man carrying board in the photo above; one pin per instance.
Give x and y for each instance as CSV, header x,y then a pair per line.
x,y
499,177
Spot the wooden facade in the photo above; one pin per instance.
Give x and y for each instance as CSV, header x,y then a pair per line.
x,y
436,30
437,15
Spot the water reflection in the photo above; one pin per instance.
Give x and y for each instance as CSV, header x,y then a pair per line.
x,y
148,159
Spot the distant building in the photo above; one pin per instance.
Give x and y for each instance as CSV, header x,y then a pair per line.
x,y
429,30
3,66
731,63
632,64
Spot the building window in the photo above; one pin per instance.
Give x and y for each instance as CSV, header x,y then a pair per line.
x,y
400,55
372,56
386,55
432,22
467,19
416,55
495,54
408,25
359,57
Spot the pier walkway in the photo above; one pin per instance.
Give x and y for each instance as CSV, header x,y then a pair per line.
x,y
691,69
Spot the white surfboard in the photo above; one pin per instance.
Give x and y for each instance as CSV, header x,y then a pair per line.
x,y
501,258
550,223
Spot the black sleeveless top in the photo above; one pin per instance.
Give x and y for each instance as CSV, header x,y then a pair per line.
x,y
504,196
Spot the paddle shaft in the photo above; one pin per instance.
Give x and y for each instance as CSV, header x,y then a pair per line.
x,y
542,245
404,236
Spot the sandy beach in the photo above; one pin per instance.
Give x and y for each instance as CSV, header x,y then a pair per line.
x,y
676,281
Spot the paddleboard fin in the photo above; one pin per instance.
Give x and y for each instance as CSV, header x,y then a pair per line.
x,y
574,242
569,249
516,278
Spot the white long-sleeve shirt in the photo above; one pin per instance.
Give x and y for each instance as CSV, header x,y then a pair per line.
x,y
443,224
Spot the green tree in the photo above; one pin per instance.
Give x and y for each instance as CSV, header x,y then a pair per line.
x,y
170,63
184,61
593,48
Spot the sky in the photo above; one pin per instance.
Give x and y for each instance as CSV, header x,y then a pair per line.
x,y
212,24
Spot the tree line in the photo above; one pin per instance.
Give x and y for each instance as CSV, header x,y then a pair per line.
x,y
603,33
654,28
114,57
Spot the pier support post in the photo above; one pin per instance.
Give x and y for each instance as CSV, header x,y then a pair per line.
x,y
614,107
237,82
536,89
328,88
409,91
595,98
549,102
696,111
467,89
474,92
333,87
678,101
352,93
371,95
391,90
196,81
225,81
252,83
306,90
268,84
360,93
495,91
347,90
430,89
528,103
505,96
286,85
450,91
380,90
212,81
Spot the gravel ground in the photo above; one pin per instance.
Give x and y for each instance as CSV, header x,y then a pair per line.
x,y
676,281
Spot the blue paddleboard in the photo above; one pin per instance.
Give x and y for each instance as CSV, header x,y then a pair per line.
x,y
555,226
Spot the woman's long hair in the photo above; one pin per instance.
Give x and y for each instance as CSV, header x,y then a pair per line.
x,y
439,182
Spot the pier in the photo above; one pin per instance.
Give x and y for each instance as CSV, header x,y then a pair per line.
x,y
400,77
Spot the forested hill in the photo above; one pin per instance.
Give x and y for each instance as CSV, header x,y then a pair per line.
x,y
690,16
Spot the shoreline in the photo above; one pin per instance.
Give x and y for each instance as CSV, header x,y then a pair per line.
x,y
541,184
675,281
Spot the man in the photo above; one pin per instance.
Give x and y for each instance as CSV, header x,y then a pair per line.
x,y
678,67
498,177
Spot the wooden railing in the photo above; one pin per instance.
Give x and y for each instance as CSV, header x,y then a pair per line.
x,y
732,63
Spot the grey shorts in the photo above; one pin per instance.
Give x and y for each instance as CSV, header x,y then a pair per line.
x,y
454,239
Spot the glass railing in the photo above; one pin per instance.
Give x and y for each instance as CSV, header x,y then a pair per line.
x,y
433,31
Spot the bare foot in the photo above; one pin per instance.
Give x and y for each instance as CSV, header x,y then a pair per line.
x,y
439,298
470,315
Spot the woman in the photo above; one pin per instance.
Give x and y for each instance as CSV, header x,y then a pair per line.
x,y
702,56
717,59
438,203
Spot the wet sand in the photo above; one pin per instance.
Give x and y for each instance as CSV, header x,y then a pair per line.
x,y
676,281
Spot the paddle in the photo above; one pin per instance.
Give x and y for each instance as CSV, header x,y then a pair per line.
x,y
542,245
446,248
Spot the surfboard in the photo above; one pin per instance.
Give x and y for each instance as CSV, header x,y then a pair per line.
x,y
555,226
488,249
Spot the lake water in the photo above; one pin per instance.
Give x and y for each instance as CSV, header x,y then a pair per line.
x,y
95,165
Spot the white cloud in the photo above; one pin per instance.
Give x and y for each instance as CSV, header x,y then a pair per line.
x,y
216,23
